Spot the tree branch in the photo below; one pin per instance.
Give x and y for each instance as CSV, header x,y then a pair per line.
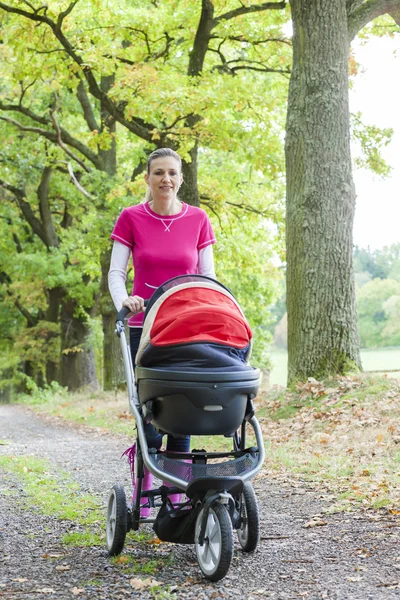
x,y
65,13
77,184
44,208
351,5
86,107
261,69
202,38
45,120
245,10
32,321
63,146
239,38
14,235
207,201
27,212
135,126
370,10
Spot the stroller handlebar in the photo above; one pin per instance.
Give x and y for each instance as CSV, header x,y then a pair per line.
x,y
124,312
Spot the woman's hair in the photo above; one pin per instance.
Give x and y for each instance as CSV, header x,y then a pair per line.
x,y
160,153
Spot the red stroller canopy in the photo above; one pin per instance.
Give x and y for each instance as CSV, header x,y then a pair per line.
x,y
200,315
190,311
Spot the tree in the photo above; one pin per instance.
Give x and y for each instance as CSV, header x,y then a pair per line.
x,y
79,76
383,263
52,291
322,319
378,305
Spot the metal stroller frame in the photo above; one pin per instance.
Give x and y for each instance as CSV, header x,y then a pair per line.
x,y
220,496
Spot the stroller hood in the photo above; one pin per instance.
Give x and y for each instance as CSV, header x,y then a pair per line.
x,y
194,322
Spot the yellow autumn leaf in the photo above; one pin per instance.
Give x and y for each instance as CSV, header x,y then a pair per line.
x,y
142,584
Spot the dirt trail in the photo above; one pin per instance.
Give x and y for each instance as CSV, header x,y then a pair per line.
x,y
352,556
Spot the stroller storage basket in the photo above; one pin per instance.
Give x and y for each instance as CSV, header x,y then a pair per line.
x,y
230,468
196,403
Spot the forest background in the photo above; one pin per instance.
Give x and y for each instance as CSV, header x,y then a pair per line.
x,y
73,153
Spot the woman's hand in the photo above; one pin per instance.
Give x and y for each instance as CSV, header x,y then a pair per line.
x,y
134,303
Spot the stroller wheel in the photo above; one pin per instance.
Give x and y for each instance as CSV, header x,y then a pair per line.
x,y
215,555
116,527
249,528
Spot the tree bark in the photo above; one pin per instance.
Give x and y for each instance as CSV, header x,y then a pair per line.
x,y
189,191
113,371
77,363
54,297
322,320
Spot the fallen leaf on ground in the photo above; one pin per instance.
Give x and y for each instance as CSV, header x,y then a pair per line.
x,y
142,584
63,568
315,523
121,560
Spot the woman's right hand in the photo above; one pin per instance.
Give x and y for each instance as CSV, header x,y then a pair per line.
x,y
134,303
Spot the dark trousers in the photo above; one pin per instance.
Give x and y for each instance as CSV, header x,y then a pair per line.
x,y
154,439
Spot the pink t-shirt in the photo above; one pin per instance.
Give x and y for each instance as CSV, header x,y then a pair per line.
x,y
162,247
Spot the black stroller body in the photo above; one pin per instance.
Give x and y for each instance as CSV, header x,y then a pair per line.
x,y
192,378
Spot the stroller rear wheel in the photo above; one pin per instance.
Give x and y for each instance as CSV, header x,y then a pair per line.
x,y
116,527
215,555
249,529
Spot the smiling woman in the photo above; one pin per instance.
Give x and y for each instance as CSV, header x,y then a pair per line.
x,y
166,238
164,178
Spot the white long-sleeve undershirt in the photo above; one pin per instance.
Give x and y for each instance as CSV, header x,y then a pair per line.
x,y
119,264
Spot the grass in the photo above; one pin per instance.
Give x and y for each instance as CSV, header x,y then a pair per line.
x,y
132,565
55,494
372,360
339,435
100,410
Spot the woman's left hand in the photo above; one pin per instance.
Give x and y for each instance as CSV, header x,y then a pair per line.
x,y
135,304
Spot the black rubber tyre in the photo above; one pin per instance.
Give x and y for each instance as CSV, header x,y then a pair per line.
x,y
215,555
116,526
248,531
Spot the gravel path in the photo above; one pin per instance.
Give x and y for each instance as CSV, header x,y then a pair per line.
x,y
352,556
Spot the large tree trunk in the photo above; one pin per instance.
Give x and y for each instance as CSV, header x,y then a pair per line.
x,y
113,368
6,390
77,363
322,320
53,314
189,191
113,372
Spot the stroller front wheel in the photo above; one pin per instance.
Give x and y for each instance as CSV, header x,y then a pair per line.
x,y
215,555
116,526
249,529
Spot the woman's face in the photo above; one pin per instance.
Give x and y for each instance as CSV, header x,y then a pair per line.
x,y
165,178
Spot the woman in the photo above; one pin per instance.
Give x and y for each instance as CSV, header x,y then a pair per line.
x,y
167,238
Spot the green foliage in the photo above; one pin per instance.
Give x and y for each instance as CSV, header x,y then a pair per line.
x,y
372,140
383,26
377,275
378,304
236,125
255,284
43,395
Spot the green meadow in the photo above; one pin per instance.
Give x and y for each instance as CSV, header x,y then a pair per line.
x,y
380,359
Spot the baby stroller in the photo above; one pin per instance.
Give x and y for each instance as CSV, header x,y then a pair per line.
x,y
192,378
